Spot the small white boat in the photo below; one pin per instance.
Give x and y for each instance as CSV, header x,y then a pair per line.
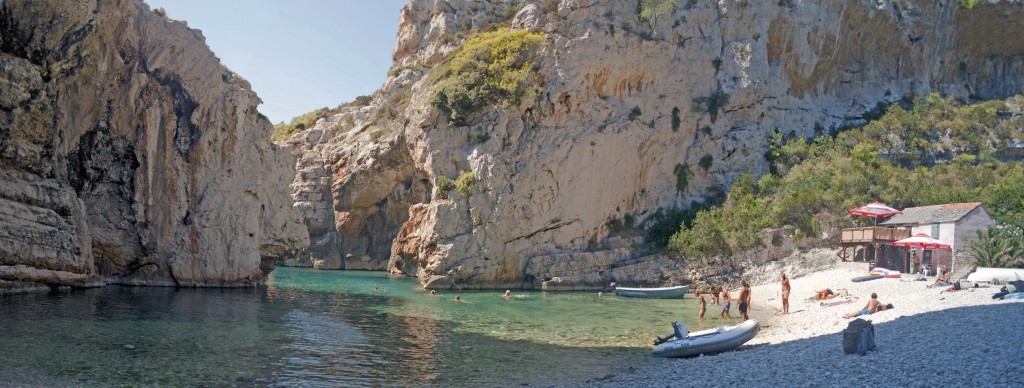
x,y
709,341
990,275
661,292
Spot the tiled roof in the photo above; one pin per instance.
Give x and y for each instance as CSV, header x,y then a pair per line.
x,y
951,212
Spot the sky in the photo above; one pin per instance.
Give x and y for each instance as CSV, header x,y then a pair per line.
x,y
299,55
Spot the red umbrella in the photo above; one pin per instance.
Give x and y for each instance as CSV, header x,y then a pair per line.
x,y
874,210
922,241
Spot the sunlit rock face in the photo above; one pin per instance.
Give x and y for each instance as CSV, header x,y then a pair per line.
x,y
635,113
129,154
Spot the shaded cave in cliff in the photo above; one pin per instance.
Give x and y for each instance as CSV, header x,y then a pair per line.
x,y
102,172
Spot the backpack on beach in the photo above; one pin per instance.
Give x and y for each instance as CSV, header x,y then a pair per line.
x,y
852,336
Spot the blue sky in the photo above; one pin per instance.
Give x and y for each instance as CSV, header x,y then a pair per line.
x,y
299,55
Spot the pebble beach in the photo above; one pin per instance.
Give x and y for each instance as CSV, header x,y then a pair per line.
x,y
930,338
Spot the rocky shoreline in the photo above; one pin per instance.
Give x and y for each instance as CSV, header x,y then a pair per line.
x,y
931,338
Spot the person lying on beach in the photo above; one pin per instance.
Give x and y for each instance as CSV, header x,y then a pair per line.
x,y
958,286
942,280
824,294
872,307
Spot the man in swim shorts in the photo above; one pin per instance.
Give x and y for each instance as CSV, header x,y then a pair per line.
x,y
872,307
726,303
744,301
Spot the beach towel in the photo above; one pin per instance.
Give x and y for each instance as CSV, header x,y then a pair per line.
x,y
837,302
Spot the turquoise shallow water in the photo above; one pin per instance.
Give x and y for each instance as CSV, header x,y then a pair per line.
x,y
326,328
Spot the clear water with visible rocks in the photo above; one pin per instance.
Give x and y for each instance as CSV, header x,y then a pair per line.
x,y
326,328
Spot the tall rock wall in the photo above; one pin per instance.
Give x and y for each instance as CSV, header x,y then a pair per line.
x,y
636,114
129,154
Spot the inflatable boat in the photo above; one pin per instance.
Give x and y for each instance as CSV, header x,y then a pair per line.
x,y
709,341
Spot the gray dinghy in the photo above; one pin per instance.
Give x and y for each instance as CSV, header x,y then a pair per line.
x,y
709,341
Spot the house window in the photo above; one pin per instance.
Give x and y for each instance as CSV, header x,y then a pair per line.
x,y
935,230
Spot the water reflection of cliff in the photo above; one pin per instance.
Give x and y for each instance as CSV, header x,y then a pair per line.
x,y
344,340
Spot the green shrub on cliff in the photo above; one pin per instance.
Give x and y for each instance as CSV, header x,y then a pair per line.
x,y
490,68
968,4
305,121
444,186
647,10
932,153
463,184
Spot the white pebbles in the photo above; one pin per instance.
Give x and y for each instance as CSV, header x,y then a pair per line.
x,y
931,338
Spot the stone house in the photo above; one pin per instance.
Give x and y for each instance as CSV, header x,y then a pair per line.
x,y
955,224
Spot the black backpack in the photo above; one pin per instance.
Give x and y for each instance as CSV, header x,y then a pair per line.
x,y
851,335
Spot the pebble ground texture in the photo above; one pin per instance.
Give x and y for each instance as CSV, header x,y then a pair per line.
x,y
931,338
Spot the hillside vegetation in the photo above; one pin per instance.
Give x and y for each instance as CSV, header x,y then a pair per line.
x,y
305,121
933,152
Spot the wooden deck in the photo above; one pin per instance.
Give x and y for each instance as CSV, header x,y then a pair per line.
x,y
873,244
872,234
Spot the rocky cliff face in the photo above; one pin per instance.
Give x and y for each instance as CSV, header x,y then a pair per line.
x,y
639,110
129,154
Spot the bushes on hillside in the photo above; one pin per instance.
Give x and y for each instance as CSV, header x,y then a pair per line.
x,y
305,121
936,152
999,246
490,68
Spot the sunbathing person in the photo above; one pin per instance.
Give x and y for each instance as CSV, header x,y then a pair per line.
x,y
872,307
942,280
824,294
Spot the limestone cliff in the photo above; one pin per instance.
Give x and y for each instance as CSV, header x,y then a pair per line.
x,y
129,154
638,108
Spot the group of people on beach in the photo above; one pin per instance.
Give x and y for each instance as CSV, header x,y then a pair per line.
x,y
743,304
717,292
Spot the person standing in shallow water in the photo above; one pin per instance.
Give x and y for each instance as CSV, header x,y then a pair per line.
x,y
785,294
726,304
703,304
744,304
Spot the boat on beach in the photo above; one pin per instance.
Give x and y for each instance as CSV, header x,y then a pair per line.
x,y
709,341
991,275
659,293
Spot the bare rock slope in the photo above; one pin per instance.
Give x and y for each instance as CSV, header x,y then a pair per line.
x,y
636,110
129,154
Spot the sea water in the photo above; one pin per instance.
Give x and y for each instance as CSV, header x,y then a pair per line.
x,y
327,328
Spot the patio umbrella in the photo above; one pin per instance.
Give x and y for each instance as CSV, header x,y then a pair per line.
x,y
922,241
874,210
